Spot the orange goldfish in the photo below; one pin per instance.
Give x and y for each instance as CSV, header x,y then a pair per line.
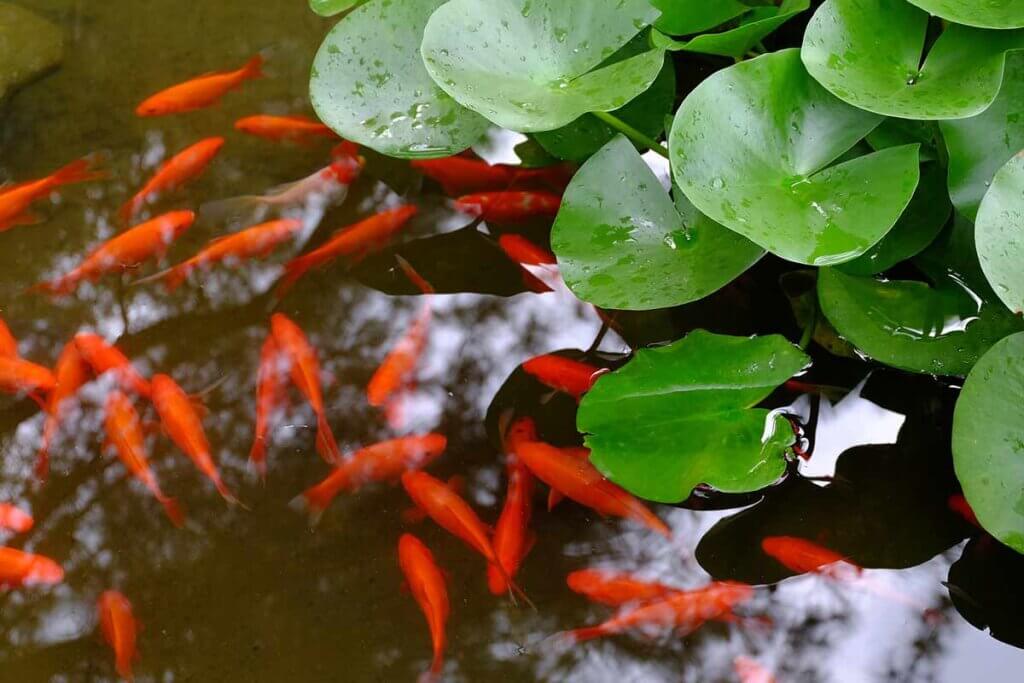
x,y
522,250
8,343
304,369
579,480
554,495
70,374
958,504
19,376
803,556
182,424
15,519
512,537
685,611
18,568
384,461
616,588
173,173
751,671
354,241
16,199
124,433
427,585
271,396
563,374
283,128
254,242
126,251
399,365
509,207
414,515
459,175
200,92
103,357
119,630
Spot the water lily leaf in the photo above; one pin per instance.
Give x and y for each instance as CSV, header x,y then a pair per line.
x,y
368,84
940,327
751,145
584,136
983,13
999,234
869,53
328,8
29,46
980,145
896,132
920,224
621,243
683,17
533,155
680,415
736,42
801,289
988,440
530,65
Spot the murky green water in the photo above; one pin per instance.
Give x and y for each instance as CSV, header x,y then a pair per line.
x,y
256,595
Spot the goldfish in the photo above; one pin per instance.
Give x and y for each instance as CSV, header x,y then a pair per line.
x,y
554,495
354,241
751,671
563,374
384,461
579,480
173,173
414,277
124,434
459,175
426,583
304,369
70,374
512,538
282,128
8,343
18,568
399,365
509,207
119,630
455,516
19,376
616,588
803,556
271,396
182,424
15,519
414,515
200,92
15,200
103,357
958,504
685,611
126,251
253,242
522,250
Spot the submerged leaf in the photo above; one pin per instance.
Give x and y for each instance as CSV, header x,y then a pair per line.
x,y
680,415
736,42
982,13
999,234
328,8
29,46
680,17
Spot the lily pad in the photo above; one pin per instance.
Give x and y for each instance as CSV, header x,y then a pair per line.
x,y
683,17
983,13
869,53
940,327
328,8
896,132
680,415
920,224
988,441
736,42
531,65
751,146
369,85
980,145
622,244
29,46
999,234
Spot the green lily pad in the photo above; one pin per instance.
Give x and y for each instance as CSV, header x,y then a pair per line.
x,y
369,85
939,327
896,132
999,234
531,65
869,53
736,42
920,224
683,17
680,415
328,8
29,47
751,145
982,13
584,136
988,441
801,288
980,145
622,244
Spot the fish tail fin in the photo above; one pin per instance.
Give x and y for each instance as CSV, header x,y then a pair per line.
x,y
513,588
222,209
173,510
496,583
293,271
254,67
79,171
580,635
654,523
258,458
227,495
554,498
437,663
174,278
62,286
42,469
326,446
124,670
310,503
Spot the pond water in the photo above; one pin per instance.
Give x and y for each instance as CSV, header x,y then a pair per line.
x,y
256,594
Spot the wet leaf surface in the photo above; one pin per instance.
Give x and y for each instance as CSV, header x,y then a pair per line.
x,y
29,46
754,26
984,13
999,234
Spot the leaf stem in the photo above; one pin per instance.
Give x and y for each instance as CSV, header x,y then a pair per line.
x,y
805,338
631,132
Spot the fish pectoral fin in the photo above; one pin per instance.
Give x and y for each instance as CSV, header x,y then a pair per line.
x,y
26,218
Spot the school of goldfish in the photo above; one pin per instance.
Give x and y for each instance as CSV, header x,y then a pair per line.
x,y
288,359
